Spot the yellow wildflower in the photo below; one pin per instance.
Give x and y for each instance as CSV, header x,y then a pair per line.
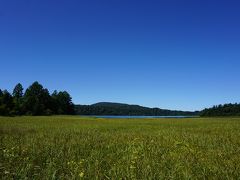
x,y
81,174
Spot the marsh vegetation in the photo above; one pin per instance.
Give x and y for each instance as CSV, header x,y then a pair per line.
x,y
71,147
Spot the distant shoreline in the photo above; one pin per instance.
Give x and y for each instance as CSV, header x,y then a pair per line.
x,y
137,117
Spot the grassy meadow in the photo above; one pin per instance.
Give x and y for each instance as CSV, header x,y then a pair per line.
x,y
72,147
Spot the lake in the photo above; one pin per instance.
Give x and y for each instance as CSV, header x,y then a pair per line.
x,y
141,117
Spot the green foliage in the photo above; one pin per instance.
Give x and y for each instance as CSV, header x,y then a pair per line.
x,y
18,99
1,93
222,110
35,101
6,104
125,109
62,103
72,147
18,91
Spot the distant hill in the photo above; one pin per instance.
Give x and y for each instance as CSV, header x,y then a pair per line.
x,y
109,108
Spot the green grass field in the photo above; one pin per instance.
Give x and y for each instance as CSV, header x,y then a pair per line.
x,y
71,147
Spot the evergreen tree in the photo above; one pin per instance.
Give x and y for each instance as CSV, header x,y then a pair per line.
x,y
18,99
1,95
63,102
37,100
55,105
18,91
1,103
6,104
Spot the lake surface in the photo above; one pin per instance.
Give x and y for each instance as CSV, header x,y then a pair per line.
x,y
140,117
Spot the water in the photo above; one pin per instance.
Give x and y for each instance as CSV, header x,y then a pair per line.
x,y
140,117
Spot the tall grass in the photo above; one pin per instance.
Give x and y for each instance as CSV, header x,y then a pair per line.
x,y
71,147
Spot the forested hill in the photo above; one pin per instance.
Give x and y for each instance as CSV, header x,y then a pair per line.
x,y
222,110
107,108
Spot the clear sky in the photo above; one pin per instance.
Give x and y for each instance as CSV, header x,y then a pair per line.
x,y
174,54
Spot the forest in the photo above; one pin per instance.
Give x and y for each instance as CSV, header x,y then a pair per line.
x,y
222,110
36,100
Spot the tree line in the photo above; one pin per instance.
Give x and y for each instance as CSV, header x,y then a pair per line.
x,y
36,100
222,110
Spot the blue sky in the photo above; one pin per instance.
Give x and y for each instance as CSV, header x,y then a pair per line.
x,y
165,53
